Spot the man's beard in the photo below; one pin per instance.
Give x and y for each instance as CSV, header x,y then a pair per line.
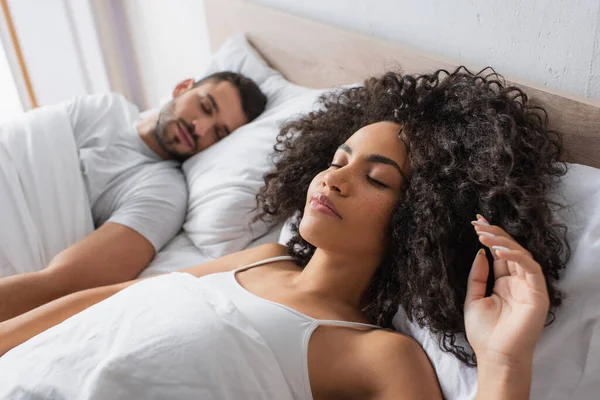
x,y
165,119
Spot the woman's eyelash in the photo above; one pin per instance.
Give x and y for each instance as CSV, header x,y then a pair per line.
x,y
376,182
373,181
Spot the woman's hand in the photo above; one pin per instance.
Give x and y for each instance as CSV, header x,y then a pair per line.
x,y
505,326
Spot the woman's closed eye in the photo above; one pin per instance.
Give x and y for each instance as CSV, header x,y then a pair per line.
x,y
370,179
376,182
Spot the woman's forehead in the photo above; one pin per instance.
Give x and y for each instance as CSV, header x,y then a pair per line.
x,y
379,138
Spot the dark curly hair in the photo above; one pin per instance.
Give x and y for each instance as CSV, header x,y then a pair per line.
x,y
475,145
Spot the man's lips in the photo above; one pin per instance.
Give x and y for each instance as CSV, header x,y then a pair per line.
x,y
321,203
184,135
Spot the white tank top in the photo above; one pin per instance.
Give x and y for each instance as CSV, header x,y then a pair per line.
x,y
286,331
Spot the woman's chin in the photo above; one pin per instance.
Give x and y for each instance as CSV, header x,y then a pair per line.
x,y
318,232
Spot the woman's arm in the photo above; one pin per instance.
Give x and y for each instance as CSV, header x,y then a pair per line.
x,y
18,330
503,328
402,372
500,379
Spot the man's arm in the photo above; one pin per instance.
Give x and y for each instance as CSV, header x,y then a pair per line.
x,y
113,253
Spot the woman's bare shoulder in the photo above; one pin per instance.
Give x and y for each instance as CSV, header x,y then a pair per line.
x,y
398,364
379,344
238,259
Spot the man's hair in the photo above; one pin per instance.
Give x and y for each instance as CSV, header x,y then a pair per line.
x,y
253,100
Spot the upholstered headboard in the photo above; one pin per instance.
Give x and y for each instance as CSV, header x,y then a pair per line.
x,y
317,55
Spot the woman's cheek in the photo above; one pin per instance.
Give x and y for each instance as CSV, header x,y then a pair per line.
x,y
378,210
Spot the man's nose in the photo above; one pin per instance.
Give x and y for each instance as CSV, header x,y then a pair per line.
x,y
201,125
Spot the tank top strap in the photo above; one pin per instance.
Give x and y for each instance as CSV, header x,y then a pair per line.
x,y
262,262
346,324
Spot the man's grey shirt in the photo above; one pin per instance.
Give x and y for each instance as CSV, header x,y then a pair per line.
x,y
127,183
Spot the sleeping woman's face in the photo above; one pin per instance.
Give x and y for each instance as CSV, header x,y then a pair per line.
x,y
349,205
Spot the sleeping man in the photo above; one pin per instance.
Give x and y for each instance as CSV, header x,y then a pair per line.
x,y
134,185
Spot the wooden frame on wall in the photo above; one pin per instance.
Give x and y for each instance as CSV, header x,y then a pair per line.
x,y
16,46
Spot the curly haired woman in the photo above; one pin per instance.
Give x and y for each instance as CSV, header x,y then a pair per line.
x,y
384,184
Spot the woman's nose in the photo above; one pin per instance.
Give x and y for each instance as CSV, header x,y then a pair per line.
x,y
336,182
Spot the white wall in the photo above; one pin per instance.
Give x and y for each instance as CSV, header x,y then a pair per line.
x,y
60,48
551,42
170,42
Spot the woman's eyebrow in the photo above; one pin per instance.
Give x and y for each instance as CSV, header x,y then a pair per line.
x,y
375,158
346,148
378,158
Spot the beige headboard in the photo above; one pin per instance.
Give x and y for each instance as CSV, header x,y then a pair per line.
x,y
313,54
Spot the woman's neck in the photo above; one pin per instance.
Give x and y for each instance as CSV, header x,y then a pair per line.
x,y
337,278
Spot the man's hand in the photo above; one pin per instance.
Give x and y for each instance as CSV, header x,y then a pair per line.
x,y
113,253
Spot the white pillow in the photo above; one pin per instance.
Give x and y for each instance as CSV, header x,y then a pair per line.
x,y
224,179
567,357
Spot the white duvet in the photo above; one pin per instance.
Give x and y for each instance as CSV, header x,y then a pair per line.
x,y
134,345
43,202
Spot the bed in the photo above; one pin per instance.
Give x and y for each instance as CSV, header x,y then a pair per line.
x,y
315,57
294,60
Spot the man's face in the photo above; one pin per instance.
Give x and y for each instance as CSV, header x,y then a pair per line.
x,y
198,117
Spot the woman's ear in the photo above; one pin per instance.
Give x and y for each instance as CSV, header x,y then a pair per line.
x,y
183,86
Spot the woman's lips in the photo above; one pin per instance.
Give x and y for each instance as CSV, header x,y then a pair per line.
x,y
184,136
319,202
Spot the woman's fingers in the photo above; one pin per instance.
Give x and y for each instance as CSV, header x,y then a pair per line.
x,y
478,276
483,225
485,230
526,266
499,241
496,238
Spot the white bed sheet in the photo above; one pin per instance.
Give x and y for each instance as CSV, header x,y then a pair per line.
x,y
181,253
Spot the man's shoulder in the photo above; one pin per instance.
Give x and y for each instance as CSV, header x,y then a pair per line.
x,y
152,201
164,177
159,170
